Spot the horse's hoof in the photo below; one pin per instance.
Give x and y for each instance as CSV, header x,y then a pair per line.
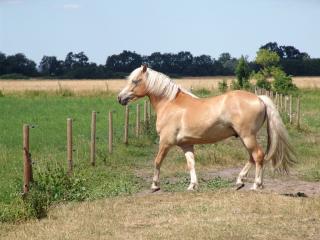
x,y
256,187
192,187
153,190
239,186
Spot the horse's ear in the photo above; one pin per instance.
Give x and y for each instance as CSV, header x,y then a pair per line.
x,y
144,67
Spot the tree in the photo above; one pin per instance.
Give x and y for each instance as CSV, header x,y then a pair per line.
x,y
273,47
224,57
20,64
2,63
242,72
267,58
51,66
124,62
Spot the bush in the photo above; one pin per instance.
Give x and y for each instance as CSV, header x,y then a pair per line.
x,y
261,81
235,85
242,72
223,86
282,82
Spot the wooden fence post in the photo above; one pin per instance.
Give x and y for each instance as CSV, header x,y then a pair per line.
x,y
126,125
110,132
145,115
93,138
285,103
69,146
290,109
27,166
145,112
138,120
149,111
298,112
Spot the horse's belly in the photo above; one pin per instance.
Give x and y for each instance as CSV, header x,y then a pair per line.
x,y
204,135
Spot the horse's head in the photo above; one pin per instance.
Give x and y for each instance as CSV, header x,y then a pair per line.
x,y
136,86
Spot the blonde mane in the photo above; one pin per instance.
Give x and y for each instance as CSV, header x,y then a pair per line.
x,y
159,84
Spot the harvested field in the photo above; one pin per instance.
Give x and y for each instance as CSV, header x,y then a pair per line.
x,y
116,84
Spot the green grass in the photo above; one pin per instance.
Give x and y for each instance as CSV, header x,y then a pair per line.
x,y
115,174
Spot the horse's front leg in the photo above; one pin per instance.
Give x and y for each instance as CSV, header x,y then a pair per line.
x,y
189,153
163,150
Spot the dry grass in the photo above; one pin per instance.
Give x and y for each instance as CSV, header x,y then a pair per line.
x,y
217,215
116,84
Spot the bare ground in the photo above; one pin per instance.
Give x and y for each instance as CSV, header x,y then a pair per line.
x,y
288,185
285,185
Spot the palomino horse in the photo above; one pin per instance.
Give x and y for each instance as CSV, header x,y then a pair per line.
x,y
185,120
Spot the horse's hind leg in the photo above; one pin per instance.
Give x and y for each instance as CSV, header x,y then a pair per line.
x,y
257,154
189,153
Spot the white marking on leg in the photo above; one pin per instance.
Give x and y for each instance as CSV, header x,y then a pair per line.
x,y
191,166
258,178
243,173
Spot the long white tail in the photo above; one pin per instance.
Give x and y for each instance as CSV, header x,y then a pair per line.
x,y
279,150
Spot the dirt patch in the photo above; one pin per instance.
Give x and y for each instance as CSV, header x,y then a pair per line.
x,y
285,185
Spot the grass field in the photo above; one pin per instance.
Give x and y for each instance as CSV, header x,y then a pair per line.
x,y
117,84
128,171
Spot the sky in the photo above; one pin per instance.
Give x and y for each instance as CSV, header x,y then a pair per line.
x,y
101,28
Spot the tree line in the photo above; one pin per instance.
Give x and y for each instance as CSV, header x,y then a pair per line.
x,y
78,66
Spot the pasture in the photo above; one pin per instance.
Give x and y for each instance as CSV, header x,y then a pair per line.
x,y
117,200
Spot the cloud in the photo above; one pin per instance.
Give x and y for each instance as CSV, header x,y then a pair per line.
x,y
71,6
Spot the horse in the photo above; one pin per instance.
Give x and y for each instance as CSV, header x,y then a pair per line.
x,y
183,120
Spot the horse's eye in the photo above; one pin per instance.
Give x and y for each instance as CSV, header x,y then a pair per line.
x,y
136,81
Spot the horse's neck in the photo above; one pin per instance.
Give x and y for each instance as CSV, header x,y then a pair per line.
x,y
159,102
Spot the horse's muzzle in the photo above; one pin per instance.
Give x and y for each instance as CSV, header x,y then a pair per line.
x,y
123,101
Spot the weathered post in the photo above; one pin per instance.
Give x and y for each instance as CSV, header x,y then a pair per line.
x,y
149,111
145,115
93,139
27,167
298,112
126,125
110,132
285,103
290,109
138,120
69,146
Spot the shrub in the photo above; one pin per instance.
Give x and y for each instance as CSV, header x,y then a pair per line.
x,y
223,86
282,82
235,85
242,72
261,81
